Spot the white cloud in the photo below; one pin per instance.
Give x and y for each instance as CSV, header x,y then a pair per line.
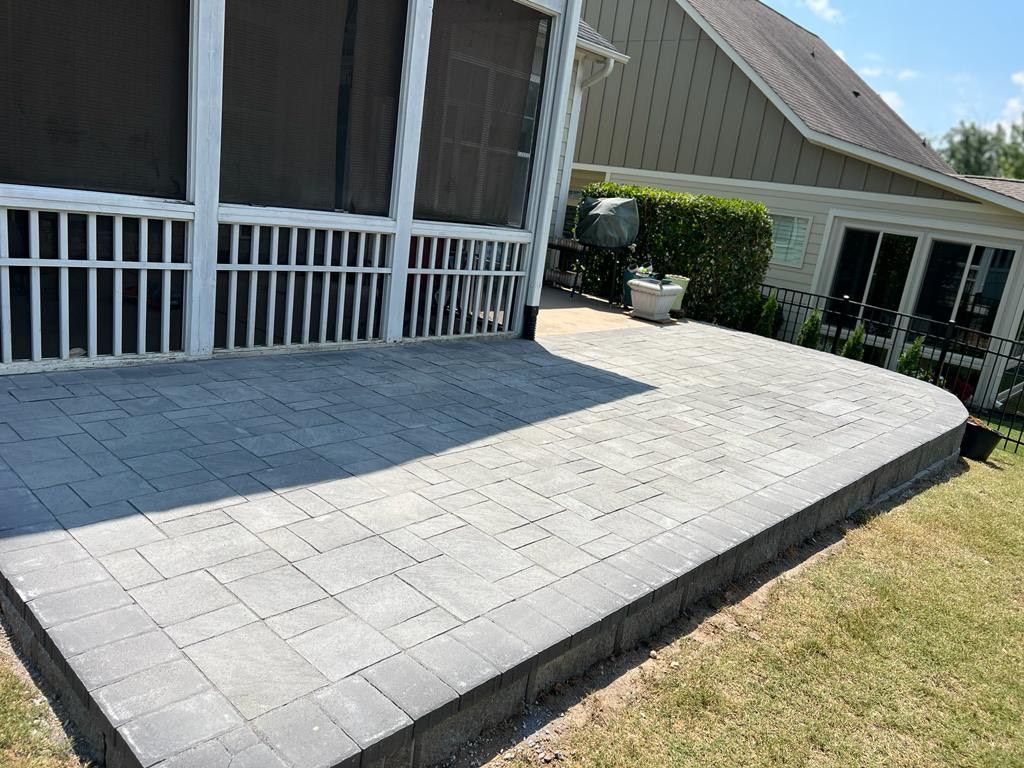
x,y
893,99
872,71
908,74
1018,78
824,9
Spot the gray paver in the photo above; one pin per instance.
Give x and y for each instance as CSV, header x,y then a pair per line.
x,y
367,715
412,687
342,647
385,602
272,592
203,549
167,732
174,600
150,690
115,661
207,625
573,480
255,669
454,587
349,566
306,736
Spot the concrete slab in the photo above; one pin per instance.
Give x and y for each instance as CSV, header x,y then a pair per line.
x,y
364,557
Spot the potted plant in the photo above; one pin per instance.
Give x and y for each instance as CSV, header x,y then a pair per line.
x,y
652,299
979,440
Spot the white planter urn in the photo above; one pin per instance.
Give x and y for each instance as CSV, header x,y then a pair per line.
x,y
652,300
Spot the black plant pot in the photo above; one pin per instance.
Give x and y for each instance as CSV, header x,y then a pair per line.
x,y
979,441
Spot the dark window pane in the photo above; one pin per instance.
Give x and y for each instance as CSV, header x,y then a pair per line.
x,y
854,266
889,281
941,285
484,83
311,103
983,291
94,95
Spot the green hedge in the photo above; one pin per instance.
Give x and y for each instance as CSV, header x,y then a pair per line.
x,y
723,246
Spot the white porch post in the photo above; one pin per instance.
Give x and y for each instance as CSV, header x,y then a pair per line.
x,y
407,155
564,51
206,82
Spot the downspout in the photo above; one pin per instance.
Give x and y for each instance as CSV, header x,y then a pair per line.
x,y
601,74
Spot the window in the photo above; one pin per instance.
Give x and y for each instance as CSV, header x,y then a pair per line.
x,y
789,240
484,82
95,95
964,284
311,93
872,269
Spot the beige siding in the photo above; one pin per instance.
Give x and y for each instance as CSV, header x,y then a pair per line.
x,y
803,202
682,106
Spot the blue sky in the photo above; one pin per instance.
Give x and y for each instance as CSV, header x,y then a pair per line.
x,y
936,61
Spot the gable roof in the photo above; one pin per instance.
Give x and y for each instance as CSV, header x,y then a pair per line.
x,y
1010,187
814,82
590,40
815,93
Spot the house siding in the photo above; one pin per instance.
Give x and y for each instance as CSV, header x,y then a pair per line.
x,y
682,106
794,200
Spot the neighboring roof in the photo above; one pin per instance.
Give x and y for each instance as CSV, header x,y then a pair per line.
x,y
814,82
592,41
1010,187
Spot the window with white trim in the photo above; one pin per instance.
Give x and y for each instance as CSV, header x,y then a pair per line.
x,y
789,239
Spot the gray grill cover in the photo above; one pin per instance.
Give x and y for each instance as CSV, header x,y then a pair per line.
x,y
608,222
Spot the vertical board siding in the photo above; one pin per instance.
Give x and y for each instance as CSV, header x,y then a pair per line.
x,y
682,106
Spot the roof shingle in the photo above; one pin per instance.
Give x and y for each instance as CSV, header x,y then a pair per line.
x,y
814,82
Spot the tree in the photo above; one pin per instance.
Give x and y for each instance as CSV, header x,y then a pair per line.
x,y
810,331
973,150
854,346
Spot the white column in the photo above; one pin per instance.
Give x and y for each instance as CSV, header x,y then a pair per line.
x,y
562,201
563,51
206,86
407,155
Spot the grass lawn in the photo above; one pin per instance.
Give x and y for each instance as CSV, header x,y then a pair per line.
x,y
30,733
904,647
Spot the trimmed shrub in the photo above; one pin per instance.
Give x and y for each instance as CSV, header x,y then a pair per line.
x,y
854,346
768,323
910,361
810,331
723,246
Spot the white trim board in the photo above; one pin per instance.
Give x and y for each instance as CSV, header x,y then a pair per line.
x,y
777,187
944,181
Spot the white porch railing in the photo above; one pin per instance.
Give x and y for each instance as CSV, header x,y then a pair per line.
x,y
289,278
465,281
89,275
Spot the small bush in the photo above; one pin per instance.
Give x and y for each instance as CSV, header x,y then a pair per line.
x,y
768,324
854,346
910,361
810,331
723,246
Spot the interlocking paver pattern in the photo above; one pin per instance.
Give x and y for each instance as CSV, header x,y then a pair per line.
x,y
288,560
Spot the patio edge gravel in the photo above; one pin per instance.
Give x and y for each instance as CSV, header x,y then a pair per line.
x,y
416,707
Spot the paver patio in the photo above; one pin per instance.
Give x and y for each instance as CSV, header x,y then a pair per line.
x,y
364,556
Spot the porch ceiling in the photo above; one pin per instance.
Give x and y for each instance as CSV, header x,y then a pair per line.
x,y
317,559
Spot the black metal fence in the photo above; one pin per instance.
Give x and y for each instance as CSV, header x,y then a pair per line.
x,y
986,372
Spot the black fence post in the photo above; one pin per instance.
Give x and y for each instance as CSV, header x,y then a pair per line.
x,y
946,341
843,313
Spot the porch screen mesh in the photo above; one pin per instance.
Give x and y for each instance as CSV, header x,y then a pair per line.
x,y
311,102
483,93
94,94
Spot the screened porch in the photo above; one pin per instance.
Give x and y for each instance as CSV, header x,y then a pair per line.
x,y
188,177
